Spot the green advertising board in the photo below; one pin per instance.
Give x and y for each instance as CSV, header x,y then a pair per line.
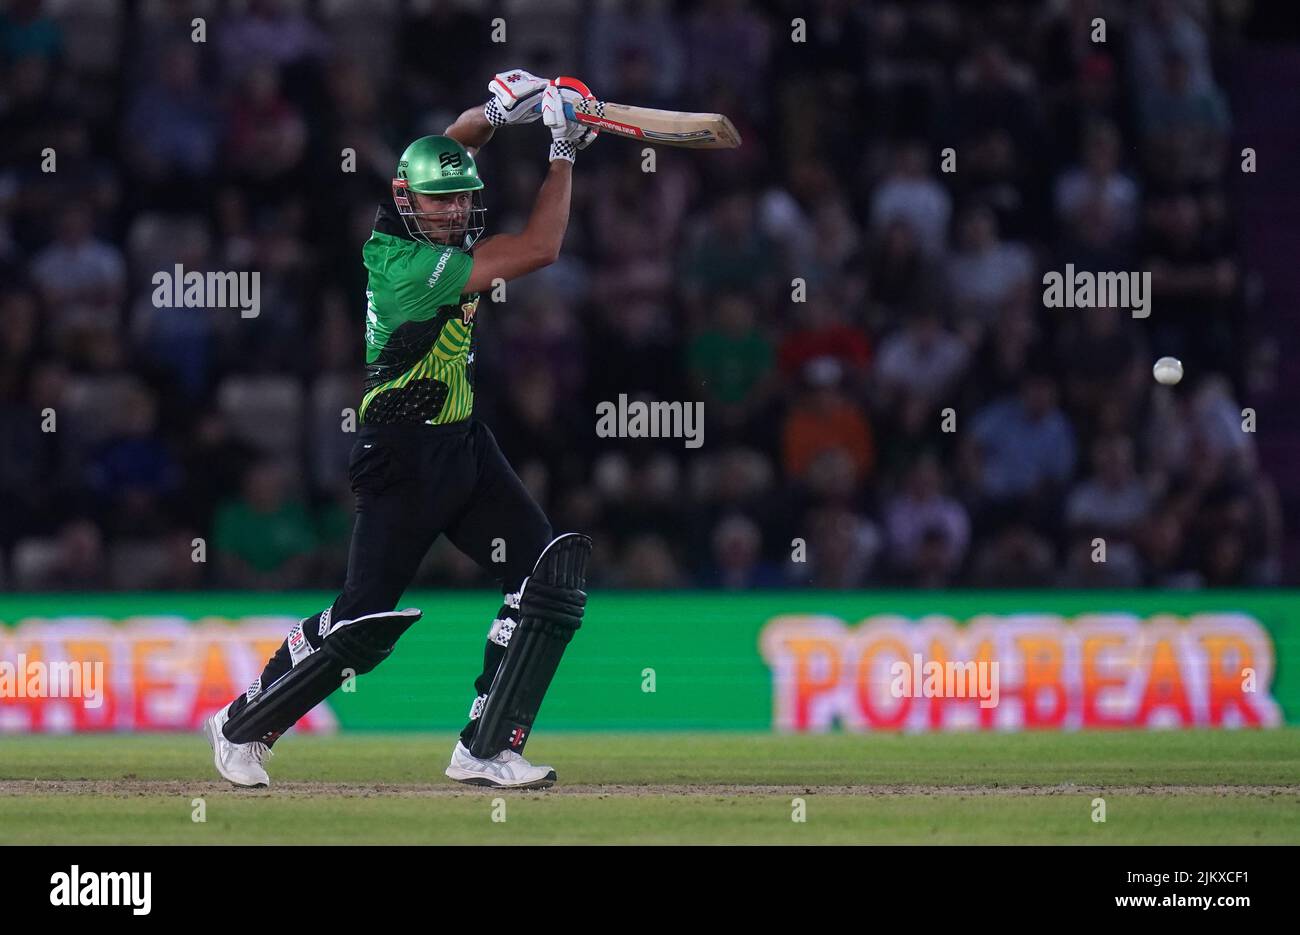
x,y
714,661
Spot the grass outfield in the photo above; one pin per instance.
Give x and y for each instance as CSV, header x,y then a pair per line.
x,y
1164,787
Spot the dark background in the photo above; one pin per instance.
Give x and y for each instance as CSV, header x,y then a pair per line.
x,y
823,416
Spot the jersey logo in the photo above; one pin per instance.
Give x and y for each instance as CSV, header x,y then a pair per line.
x,y
439,267
467,310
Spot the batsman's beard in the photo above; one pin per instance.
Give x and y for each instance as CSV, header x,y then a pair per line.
x,y
446,228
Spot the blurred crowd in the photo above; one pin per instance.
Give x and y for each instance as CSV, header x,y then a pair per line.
x,y
855,294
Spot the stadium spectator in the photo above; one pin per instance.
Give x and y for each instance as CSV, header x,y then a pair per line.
x,y
910,195
730,252
1104,364
1101,564
922,359
26,31
843,548
732,363
922,342
984,273
727,45
1017,557
1114,500
637,51
1004,351
1161,28
648,564
1185,125
173,126
898,271
825,419
179,342
823,334
1022,447
132,474
1194,280
263,539
737,557
266,136
1098,183
269,31
927,530
72,561
82,280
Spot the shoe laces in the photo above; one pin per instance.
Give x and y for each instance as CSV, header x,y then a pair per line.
x,y
258,752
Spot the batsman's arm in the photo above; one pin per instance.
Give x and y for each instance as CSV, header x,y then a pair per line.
x,y
509,256
471,129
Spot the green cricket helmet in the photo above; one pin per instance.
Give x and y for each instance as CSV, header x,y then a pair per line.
x,y
438,165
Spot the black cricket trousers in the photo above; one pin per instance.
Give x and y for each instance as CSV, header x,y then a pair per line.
x,y
413,483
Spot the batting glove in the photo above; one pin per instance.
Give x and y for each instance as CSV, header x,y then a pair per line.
x,y
516,98
574,91
566,134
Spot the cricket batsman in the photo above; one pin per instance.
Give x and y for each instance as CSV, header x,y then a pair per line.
x,y
422,465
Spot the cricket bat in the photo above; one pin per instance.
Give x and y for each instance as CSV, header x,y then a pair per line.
x,y
669,127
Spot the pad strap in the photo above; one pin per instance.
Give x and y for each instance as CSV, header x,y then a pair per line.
x,y
551,607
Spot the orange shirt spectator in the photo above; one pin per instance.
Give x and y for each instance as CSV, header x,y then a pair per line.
x,y
823,421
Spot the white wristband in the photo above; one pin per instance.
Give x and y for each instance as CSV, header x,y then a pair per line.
x,y
563,149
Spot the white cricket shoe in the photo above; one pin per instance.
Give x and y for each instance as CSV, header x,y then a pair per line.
x,y
506,770
240,763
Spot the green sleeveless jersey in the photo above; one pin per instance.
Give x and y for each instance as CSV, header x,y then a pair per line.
x,y
419,329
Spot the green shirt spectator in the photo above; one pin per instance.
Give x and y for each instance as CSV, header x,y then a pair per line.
x,y
732,358
264,532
